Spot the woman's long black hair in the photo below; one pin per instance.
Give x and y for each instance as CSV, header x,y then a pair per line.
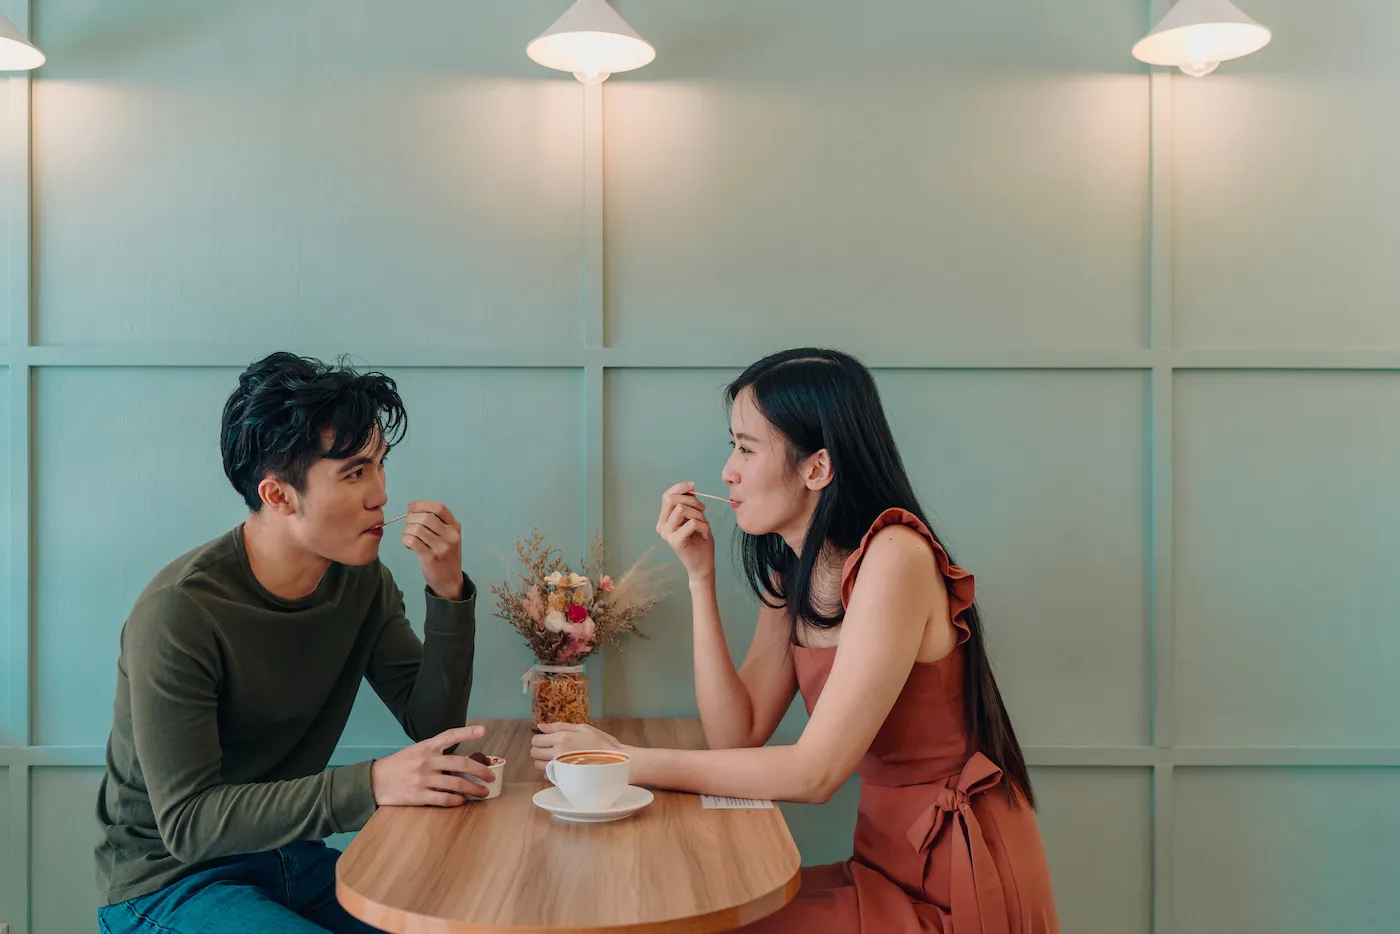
x,y
826,400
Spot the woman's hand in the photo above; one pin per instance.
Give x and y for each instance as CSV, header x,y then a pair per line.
x,y
684,527
559,738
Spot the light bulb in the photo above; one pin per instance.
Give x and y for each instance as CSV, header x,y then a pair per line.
x,y
1199,69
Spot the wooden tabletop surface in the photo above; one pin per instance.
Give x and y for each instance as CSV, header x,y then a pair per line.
x,y
506,865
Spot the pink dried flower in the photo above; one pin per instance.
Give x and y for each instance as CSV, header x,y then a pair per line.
x,y
574,646
534,605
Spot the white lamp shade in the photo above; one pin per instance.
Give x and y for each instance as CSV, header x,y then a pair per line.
x,y
1197,35
16,54
592,41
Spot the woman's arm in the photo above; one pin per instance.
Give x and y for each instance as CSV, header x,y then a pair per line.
x,y
898,591
740,708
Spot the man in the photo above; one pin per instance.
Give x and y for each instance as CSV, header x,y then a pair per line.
x,y
241,660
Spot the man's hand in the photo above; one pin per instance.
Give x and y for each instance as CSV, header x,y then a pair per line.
x,y
419,775
435,535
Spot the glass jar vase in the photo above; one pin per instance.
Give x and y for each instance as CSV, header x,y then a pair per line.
x,y
558,694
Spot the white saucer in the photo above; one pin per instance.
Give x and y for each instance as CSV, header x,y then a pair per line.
x,y
633,800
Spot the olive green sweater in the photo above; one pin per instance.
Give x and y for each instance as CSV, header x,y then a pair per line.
x,y
230,701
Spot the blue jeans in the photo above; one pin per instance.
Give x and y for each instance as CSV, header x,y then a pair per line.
x,y
290,890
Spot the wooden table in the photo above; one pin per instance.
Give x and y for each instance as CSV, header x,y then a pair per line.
x,y
506,865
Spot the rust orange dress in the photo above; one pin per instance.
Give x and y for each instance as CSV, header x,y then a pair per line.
x,y
940,845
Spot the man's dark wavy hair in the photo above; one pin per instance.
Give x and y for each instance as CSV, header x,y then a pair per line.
x,y
285,407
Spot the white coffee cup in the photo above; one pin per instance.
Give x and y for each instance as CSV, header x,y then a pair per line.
x,y
591,779
493,790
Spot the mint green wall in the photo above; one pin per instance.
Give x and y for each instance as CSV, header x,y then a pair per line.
x,y
1133,332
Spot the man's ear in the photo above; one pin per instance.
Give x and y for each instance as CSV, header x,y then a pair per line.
x,y
277,496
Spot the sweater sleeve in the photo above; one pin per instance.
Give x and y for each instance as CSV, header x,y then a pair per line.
x,y
174,668
425,684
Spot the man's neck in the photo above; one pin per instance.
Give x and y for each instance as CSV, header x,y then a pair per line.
x,y
283,569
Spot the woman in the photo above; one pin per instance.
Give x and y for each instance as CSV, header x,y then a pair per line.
x,y
864,611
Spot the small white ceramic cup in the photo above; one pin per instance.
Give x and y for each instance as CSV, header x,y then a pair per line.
x,y
588,783
498,769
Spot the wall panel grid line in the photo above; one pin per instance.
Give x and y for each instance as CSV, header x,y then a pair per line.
x,y
1161,623
911,355
592,313
16,174
15,144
